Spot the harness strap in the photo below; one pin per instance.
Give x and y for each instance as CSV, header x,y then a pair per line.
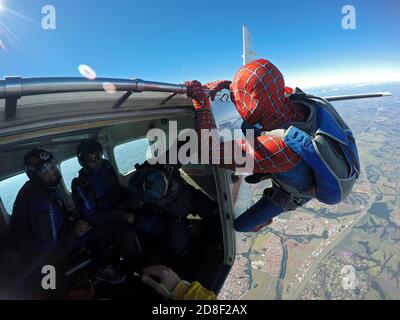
x,y
284,199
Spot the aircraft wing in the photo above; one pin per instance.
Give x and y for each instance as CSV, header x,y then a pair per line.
x,y
358,96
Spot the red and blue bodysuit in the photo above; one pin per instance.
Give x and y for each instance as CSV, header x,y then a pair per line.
x,y
259,94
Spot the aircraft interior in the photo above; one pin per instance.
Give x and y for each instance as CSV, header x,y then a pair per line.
x,y
210,256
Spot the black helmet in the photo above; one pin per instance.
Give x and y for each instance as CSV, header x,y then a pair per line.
x,y
41,169
155,186
86,148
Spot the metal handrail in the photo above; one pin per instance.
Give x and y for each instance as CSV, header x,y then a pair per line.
x,y
17,87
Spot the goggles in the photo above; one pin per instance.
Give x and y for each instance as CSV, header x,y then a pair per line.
x,y
93,157
48,172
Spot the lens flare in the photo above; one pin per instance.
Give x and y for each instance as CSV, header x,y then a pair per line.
x,y
3,46
87,72
109,87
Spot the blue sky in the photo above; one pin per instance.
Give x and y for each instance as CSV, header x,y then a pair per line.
x,y
173,41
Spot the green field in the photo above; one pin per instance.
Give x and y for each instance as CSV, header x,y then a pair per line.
x,y
263,286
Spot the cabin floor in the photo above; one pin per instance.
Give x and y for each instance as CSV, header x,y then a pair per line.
x,y
203,262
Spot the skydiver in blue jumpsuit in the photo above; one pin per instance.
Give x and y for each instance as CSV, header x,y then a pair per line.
x,y
98,194
41,229
172,199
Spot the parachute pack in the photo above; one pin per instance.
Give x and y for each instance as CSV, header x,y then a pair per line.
x,y
327,145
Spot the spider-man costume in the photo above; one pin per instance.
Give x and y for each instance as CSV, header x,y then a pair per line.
x,y
259,94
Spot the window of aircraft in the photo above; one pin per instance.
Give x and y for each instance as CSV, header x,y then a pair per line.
x,y
69,170
9,189
129,153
